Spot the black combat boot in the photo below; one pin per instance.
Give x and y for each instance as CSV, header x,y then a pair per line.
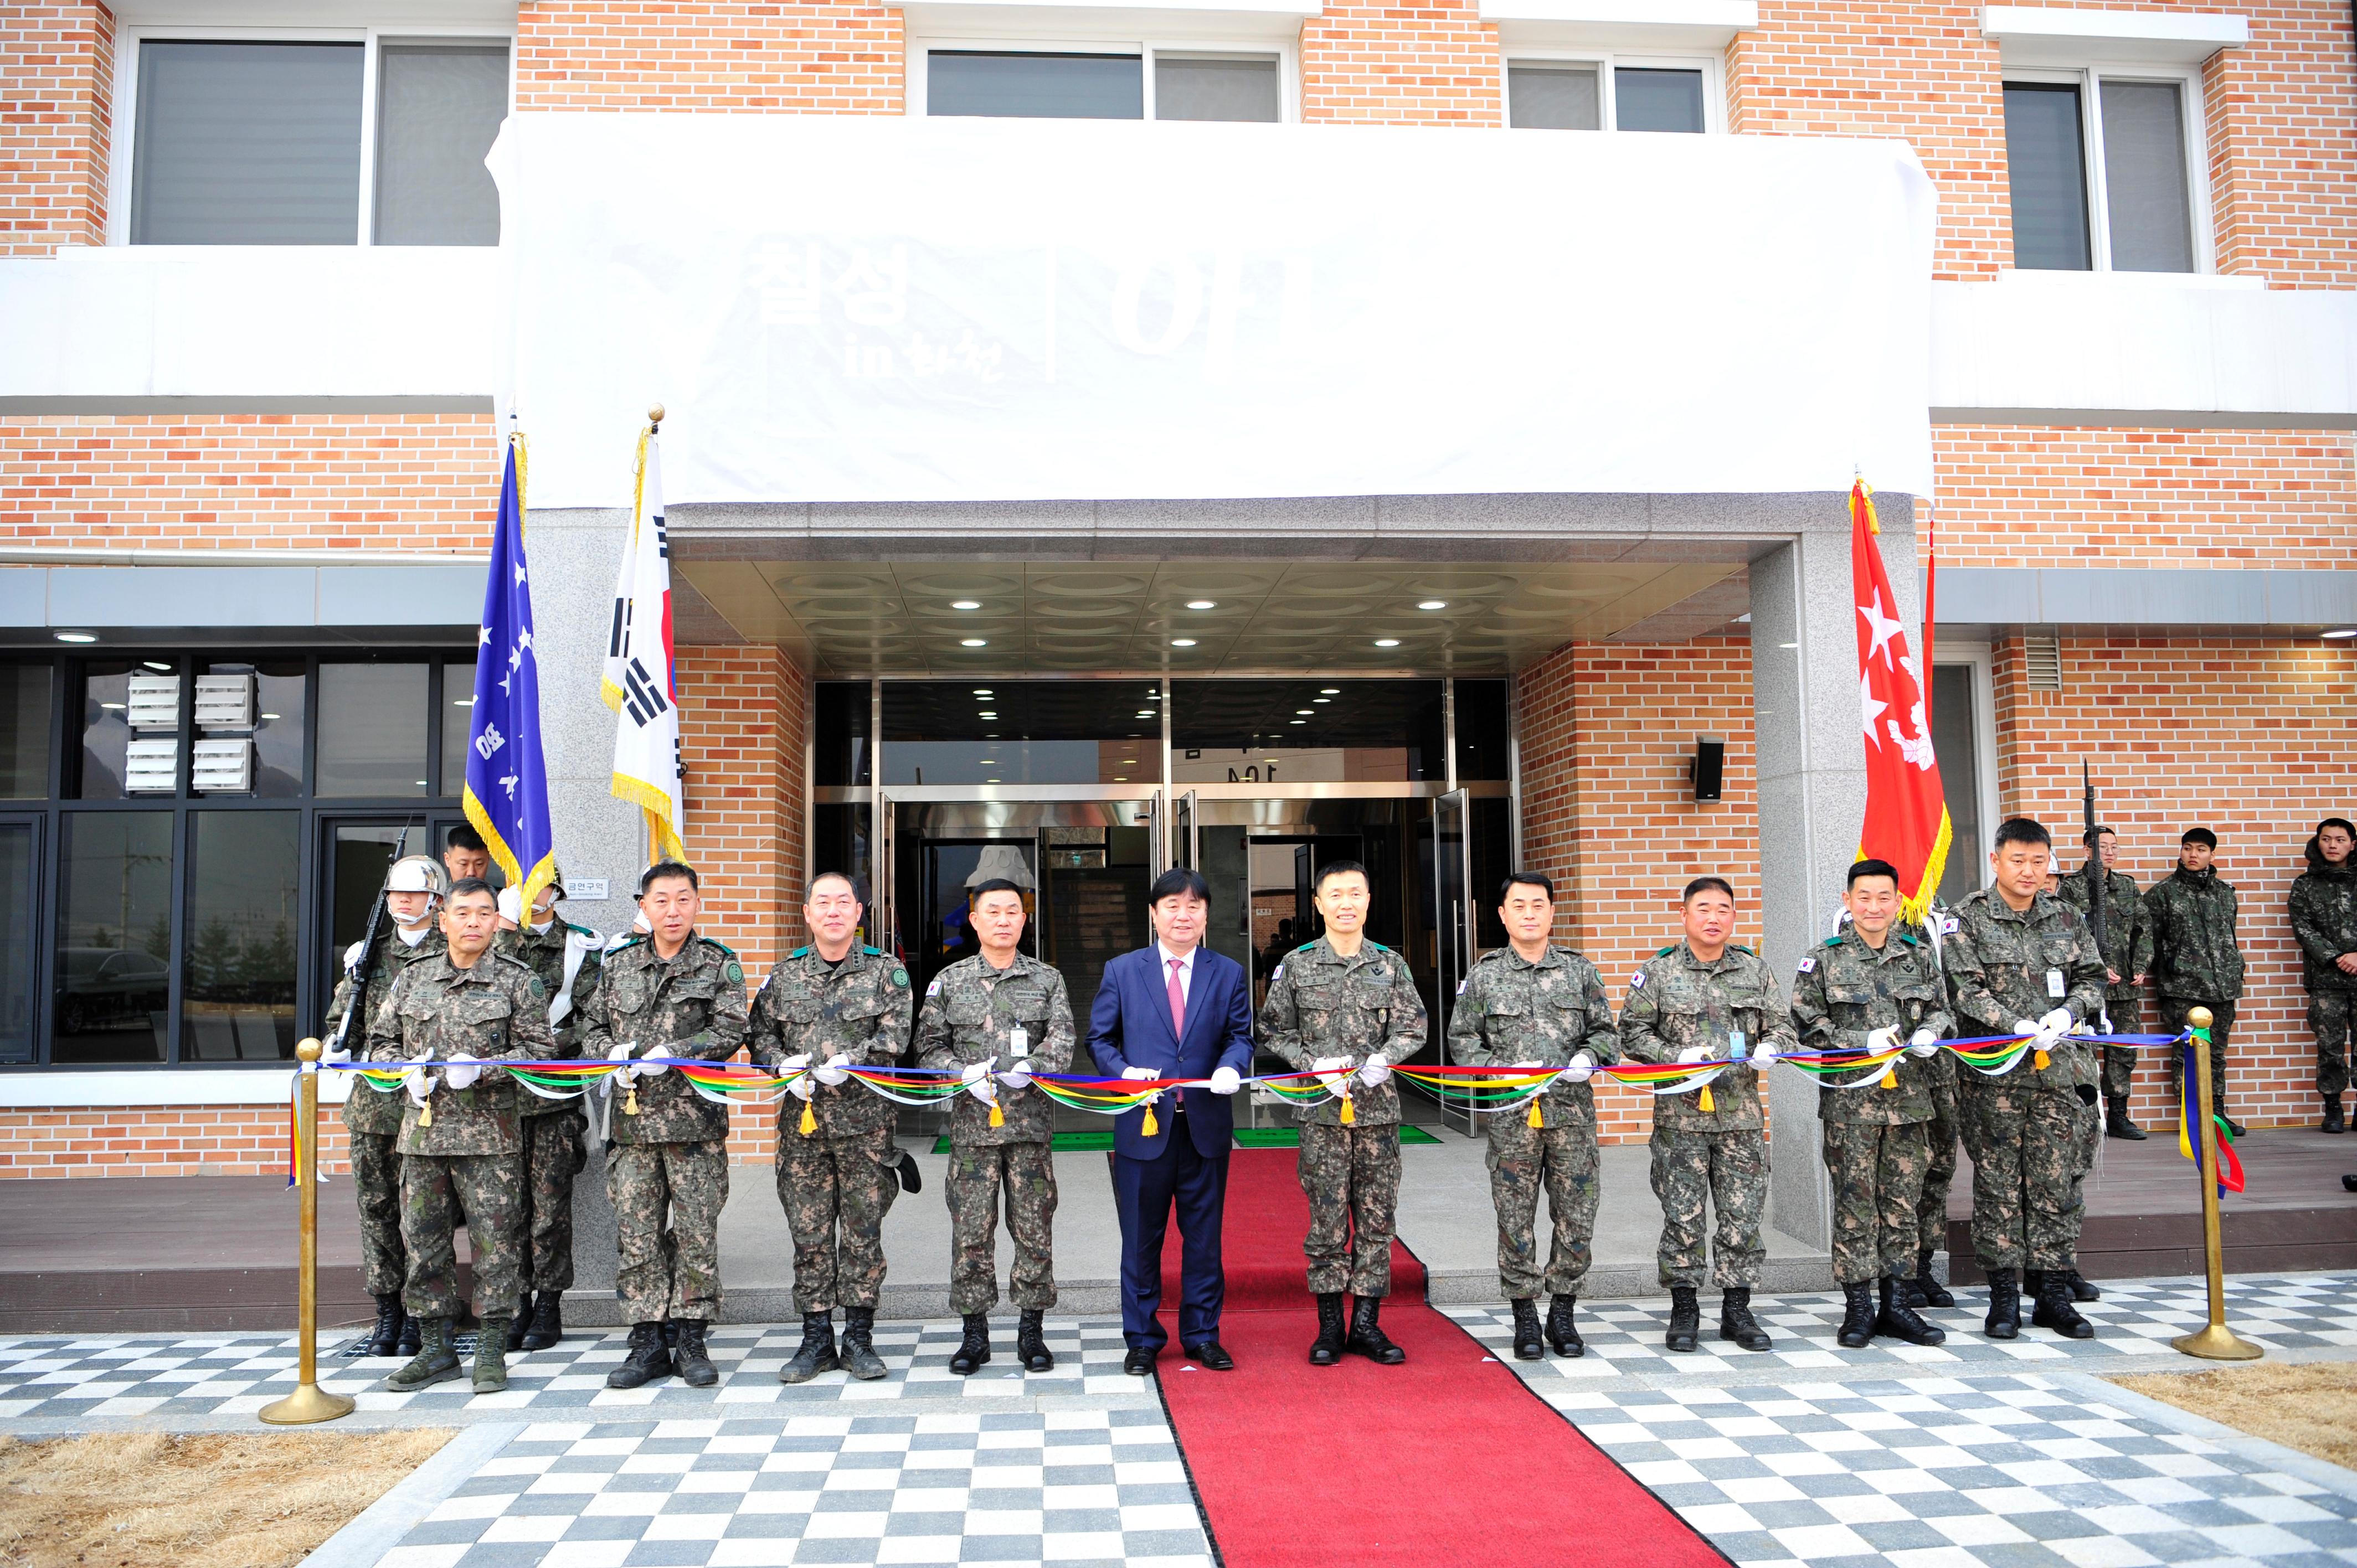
x,y
1528,1346
1736,1322
817,1352
1858,1317
648,1359
859,1357
547,1324
409,1343
435,1361
2005,1304
1923,1290
2116,1120
2233,1129
974,1350
2335,1119
904,1171
1562,1332
384,1339
519,1324
1031,1342
2081,1288
1328,1350
1686,1319
2054,1309
1367,1337
1897,1320
2033,1283
692,1359
491,1355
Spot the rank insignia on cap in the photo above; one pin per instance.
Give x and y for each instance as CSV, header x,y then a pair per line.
x,y
1637,981
1807,964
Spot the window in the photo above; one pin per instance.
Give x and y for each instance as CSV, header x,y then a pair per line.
x,y
25,731
372,729
1111,81
1590,94
2102,173
337,142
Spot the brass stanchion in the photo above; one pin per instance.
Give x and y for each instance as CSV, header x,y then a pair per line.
x,y
310,1402
2217,1342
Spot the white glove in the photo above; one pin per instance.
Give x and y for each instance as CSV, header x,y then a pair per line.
x,y
621,1051
832,1073
1139,1072
803,1086
976,1072
645,1069
795,1063
335,1052
1925,1043
1694,1054
1763,1055
1018,1075
1583,1063
1882,1039
461,1073
2056,1023
419,1087
1375,1069
2023,1026
1226,1080
1331,1070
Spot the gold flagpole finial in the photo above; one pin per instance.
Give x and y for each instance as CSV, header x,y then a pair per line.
x,y
655,414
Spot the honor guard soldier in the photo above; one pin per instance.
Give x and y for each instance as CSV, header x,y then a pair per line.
x,y
2324,920
832,1005
1533,1006
669,994
1707,999
2126,946
2196,961
563,956
461,1130
1942,1135
998,1017
1347,1009
1875,988
2021,961
414,889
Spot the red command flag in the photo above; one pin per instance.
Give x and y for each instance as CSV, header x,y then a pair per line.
x,y
1906,808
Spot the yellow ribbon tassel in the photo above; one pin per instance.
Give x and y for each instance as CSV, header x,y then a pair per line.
x,y
1890,1076
2041,1061
1708,1104
426,1114
997,1117
1536,1120
630,1100
1151,1128
810,1119
1349,1116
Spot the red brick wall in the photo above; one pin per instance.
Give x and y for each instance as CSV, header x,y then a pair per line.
x,y
148,1141
2283,145
2255,739
1369,63
57,97
2049,496
741,720
682,56
418,481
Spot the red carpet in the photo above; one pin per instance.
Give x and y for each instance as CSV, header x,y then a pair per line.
x,y
1446,1458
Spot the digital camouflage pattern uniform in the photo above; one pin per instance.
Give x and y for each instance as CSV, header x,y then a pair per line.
x,y
466,1166
2023,1129
1876,1138
971,1014
667,1167
1322,1004
553,1150
2195,962
833,1182
1677,1002
371,1118
2126,945
2324,922
1510,1011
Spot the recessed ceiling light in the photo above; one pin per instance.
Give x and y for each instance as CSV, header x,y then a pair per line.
x,y
1202,605
1434,605
1303,712
421,783
1330,691
2345,631
1146,713
1121,777
1321,699
462,701
990,781
966,603
1182,642
1301,721
972,642
981,691
112,707
158,666
77,637
990,762
270,715
987,716
1387,642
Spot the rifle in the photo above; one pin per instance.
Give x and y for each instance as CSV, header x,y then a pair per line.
x,y
2099,878
365,969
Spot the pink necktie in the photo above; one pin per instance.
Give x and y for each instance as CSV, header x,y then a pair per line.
x,y
1177,1000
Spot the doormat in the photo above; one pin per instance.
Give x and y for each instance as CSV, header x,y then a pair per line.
x,y
1065,1142
1290,1137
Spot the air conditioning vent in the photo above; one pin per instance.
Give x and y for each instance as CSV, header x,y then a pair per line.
x,y
151,766
223,767
155,702
2042,656
225,702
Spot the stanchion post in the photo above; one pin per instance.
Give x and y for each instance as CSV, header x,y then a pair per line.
x,y
309,1402
2216,1342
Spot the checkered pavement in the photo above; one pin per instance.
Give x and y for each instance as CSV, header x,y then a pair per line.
x,y
1066,1487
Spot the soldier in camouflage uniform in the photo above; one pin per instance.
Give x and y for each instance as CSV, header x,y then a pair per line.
x,y
1707,999
2021,961
828,1006
1941,1135
1347,1008
2126,945
2324,922
998,1017
669,994
414,889
1874,987
1532,1004
461,1130
2195,959
564,957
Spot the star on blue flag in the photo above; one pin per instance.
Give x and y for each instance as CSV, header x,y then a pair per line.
x,y
507,775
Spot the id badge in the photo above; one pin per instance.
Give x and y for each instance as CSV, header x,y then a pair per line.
x,y
1018,1039
1736,1048
2054,986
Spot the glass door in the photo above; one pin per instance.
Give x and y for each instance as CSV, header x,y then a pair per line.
x,y
1186,841
883,924
1454,937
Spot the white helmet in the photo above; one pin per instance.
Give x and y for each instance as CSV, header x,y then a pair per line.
x,y
418,874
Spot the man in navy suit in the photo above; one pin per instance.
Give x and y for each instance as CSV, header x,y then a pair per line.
x,y
1174,1010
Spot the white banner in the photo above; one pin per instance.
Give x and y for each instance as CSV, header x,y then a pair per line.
x,y
852,308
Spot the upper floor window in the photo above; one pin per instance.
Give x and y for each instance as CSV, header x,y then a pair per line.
x,y
1102,82
1594,93
283,142
2104,171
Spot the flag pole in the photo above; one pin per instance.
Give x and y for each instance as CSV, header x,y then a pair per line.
x,y
309,1402
2215,1342
654,428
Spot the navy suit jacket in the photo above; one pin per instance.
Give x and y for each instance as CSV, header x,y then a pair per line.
x,y
1129,1025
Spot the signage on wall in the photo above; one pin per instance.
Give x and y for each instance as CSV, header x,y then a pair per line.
x,y
586,889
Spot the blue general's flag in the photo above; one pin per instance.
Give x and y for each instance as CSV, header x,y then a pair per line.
x,y
507,775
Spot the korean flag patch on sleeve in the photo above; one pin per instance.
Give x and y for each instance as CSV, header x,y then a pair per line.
x,y
934,987
1277,974
1948,924
1807,964
1637,981
1462,985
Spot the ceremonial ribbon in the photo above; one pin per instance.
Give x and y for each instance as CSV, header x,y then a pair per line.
x,y
2191,1099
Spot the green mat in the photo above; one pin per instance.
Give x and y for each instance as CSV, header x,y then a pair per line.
x,y
1290,1137
1064,1142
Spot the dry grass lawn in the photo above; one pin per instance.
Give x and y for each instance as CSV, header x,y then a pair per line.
x,y
200,1500
2311,1406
